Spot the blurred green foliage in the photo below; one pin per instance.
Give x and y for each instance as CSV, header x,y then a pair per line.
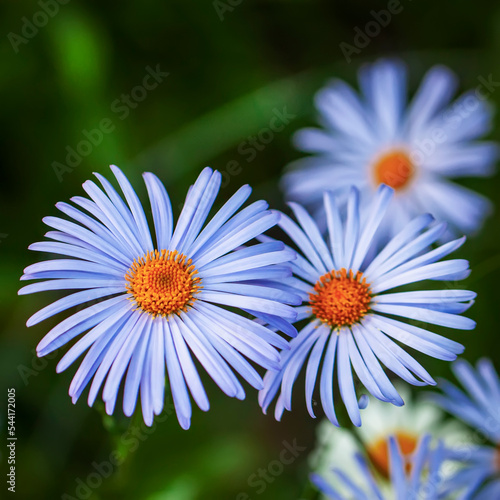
x,y
226,80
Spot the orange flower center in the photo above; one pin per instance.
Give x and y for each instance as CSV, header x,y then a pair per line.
x,y
378,452
340,298
394,169
163,283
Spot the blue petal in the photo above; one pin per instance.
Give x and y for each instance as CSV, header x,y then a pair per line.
x,y
188,368
326,381
257,304
374,367
313,366
161,209
427,315
238,237
71,301
134,372
136,208
193,198
378,209
210,359
201,213
176,378
311,229
79,253
222,216
78,323
345,379
111,354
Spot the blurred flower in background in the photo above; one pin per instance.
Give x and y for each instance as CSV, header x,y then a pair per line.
x,y
342,286
166,299
415,148
479,407
416,477
407,425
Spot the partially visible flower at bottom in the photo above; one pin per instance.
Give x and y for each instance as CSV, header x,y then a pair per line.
x,y
419,477
478,406
407,425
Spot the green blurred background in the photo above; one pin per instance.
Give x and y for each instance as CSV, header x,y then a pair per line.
x,y
232,65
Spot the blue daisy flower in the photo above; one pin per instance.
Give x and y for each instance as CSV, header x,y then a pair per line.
x,y
478,406
416,148
159,305
419,477
351,307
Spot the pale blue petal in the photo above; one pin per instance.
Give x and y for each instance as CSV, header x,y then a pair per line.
x,y
111,354
176,379
377,212
364,375
374,367
311,229
351,226
201,213
241,219
335,230
345,379
427,342
71,301
136,209
134,372
188,367
238,237
78,323
326,381
113,322
210,359
407,234
303,242
193,198
313,366
222,216
121,362
427,315
257,304
161,209
79,253
295,362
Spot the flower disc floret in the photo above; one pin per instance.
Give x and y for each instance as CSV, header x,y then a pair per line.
x,y
163,283
340,298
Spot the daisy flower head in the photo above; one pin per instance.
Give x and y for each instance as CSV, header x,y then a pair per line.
x,y
407,425
416,148
477,404
162,303
420,477
351,299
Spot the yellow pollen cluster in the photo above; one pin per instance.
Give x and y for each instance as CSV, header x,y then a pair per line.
x,y
340,298
394,169
163,283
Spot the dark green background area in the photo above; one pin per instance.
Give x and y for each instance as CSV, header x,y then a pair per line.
x,y
227,79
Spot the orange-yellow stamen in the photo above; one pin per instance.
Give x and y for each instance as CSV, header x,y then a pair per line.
x,y
378,452
394,169
340,298
163,283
